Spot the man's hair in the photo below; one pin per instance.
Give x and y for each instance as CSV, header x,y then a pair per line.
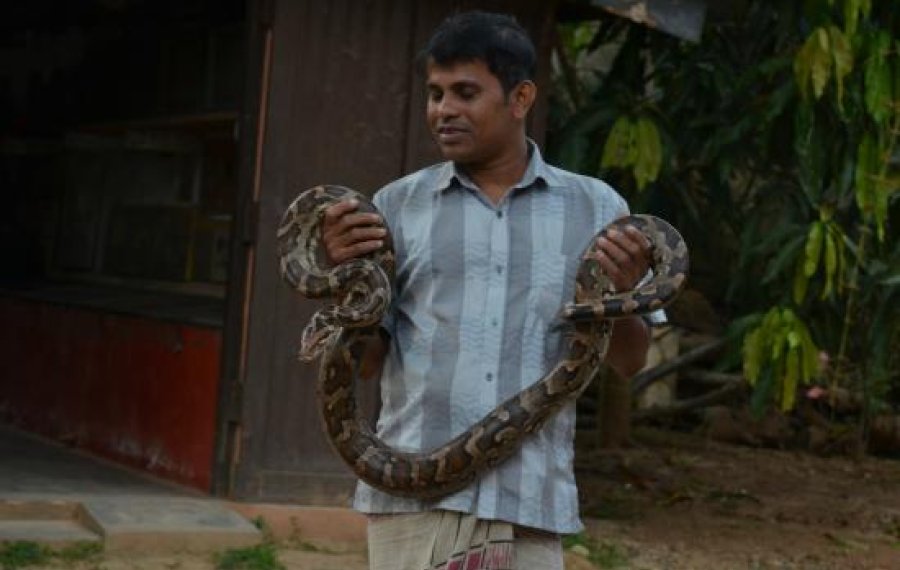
x,y
496,39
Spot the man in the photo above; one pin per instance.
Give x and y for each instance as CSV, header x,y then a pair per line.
x,y
487,246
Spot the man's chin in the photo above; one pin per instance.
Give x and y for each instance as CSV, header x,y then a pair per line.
x,y
455,153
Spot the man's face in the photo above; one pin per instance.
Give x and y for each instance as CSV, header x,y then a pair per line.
x,y
471,119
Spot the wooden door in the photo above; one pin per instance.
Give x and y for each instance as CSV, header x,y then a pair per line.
x,y
337,100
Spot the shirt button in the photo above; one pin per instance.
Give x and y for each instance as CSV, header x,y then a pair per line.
x,y
494,322
499,269
489,377
499,214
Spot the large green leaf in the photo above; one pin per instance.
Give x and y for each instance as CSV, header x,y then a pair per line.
x,y
779,355
866,171
812,65
831,263
814,242
878,76
648,158
791,378
842,56
825,53
620,144
853,10
634,144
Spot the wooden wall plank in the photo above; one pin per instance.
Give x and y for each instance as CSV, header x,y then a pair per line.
x,y
338,100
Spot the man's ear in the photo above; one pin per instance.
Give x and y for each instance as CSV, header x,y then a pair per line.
x,y
522,98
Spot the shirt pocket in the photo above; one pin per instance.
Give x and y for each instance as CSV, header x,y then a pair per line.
x,y
553,285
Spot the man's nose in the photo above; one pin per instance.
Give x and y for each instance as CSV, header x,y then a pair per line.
x,y
446,108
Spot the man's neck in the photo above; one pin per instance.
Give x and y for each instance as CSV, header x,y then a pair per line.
x,y
496,177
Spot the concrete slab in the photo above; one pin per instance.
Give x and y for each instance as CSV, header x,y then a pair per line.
x,y
55,533
46,487
167,523
32,509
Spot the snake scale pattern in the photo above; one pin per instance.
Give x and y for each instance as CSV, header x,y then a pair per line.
x,y
362,289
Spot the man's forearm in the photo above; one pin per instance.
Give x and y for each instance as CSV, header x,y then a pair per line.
x,y
373,356
628,346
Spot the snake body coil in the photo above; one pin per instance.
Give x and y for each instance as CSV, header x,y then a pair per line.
x,y
363,289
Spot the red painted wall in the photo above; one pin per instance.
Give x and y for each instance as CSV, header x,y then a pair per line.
x,y
135,390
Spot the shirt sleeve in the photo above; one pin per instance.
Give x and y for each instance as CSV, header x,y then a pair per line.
x,y
388,321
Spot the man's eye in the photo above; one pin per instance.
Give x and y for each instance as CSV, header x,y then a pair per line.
x,y
467,94
435,96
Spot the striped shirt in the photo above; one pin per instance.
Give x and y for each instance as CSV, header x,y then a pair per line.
x,y
474,321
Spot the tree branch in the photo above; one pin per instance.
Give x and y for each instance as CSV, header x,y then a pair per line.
x,y
644,379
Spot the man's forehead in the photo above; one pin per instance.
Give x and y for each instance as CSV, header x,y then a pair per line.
x,y
466,71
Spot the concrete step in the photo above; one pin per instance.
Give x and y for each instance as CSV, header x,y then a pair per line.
x,y
167,524
37,509
54,523
124,522
54,533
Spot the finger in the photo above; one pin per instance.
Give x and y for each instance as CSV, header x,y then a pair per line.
x,y
337,210
623,268
612,248
355,250
629,240
366,233
348,221
344,231
636,242
346,237
612,270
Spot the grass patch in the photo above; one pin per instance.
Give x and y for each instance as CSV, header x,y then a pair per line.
x,y
606,555
20,554
260,557
80,551
263,526
24,553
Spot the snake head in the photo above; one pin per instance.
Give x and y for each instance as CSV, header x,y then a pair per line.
x,y
315,339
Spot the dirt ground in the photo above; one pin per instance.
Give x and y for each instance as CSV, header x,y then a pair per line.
x,y
678,502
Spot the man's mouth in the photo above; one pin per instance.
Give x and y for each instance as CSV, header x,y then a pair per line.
x,y
449,134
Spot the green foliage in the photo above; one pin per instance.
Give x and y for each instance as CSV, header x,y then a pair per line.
x,y
80,551
602,554
824,249
635,144
878,75
20,554
260,557
780,353
825,54
24,553
774,150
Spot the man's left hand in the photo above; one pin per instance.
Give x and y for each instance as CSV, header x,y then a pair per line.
x,y
624,256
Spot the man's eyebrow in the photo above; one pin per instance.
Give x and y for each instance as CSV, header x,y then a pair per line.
x,y
460,84
465,83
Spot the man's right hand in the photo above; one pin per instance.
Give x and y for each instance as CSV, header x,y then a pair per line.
x,y
347,234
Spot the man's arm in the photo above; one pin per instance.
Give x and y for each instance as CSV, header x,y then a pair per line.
x,y
625,258
628,346
373,356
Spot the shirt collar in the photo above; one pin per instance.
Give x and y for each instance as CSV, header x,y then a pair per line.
x,y
538,173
